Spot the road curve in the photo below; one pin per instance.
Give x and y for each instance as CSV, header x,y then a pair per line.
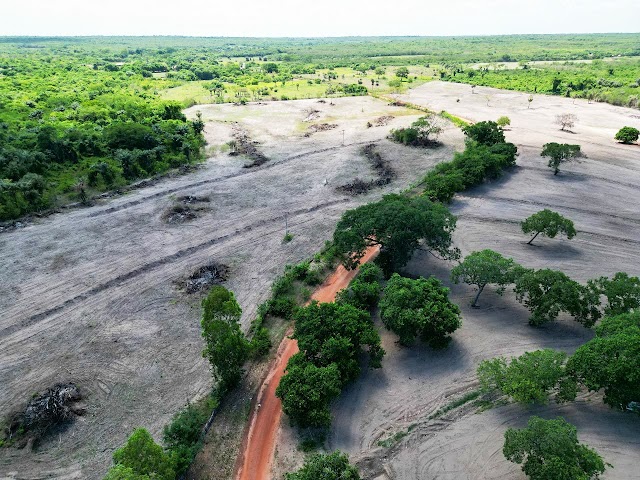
x,y
258,446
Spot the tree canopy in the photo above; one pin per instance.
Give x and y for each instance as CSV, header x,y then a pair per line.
x,y
364,291
548,223
627,135
336,333
559,153
483,268
549,449
333,466
419,308
610,360
226,347
622,292
397,223
141,458
485,133
307,390
529,378
547,292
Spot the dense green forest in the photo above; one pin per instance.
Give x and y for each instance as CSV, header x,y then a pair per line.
x,y
81,115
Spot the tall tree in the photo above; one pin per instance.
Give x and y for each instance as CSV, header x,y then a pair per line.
x,y
559,153
399,225
141,456
226,347
548,223
484,268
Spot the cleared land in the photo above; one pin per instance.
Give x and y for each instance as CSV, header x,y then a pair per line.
x,y
600,193
89,295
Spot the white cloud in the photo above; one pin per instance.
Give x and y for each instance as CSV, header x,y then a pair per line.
x,y
315,18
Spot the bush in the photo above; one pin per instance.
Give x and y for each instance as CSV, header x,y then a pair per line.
x,y
260,343
485,133
627,135
141,456
334,466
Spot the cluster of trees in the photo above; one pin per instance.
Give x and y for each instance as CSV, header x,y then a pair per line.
x,y
67,129
423,132
547,292
485,156
607,362
331,338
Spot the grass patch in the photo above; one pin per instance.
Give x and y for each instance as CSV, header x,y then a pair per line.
x,y
457,121
458,402
392,440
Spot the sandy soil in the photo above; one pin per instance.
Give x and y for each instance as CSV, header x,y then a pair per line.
x,y
600,193
89,295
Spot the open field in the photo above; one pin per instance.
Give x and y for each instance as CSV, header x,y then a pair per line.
x,y
89,296
600,194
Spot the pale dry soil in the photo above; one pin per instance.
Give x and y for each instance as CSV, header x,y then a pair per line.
x,y
88,296
601,194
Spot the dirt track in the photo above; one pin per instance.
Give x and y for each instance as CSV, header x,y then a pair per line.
x,y
259,446
600,193
89,295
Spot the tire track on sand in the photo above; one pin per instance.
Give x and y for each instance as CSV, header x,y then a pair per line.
x,y
157,263
259,440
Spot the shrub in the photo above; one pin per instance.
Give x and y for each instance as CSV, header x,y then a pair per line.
x,y
627,135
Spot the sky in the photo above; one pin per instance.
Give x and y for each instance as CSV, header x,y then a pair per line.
x,y
315,18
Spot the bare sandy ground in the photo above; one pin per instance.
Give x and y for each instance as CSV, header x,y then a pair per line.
x,y
89,296
601,193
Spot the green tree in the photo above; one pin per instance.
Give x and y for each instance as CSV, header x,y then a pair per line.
x,y
402,72
627,135
529,378
226,347
622,292
419,308
306,391
503,122
120,472
559,153
548,223
334,466
484,268
364,291
485,133
334,333
610,360
547,292
549,450
143,457
397,223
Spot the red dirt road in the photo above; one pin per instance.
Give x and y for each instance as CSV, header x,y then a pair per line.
x,y
259,445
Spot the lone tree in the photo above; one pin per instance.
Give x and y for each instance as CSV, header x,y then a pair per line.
x,y
226,347
627,135
423,132
610,361
141,458
549,449
566,121
419,308
399,225
503,122
528,378
402,72
548,223
559,153
483,268
547,292
334,466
